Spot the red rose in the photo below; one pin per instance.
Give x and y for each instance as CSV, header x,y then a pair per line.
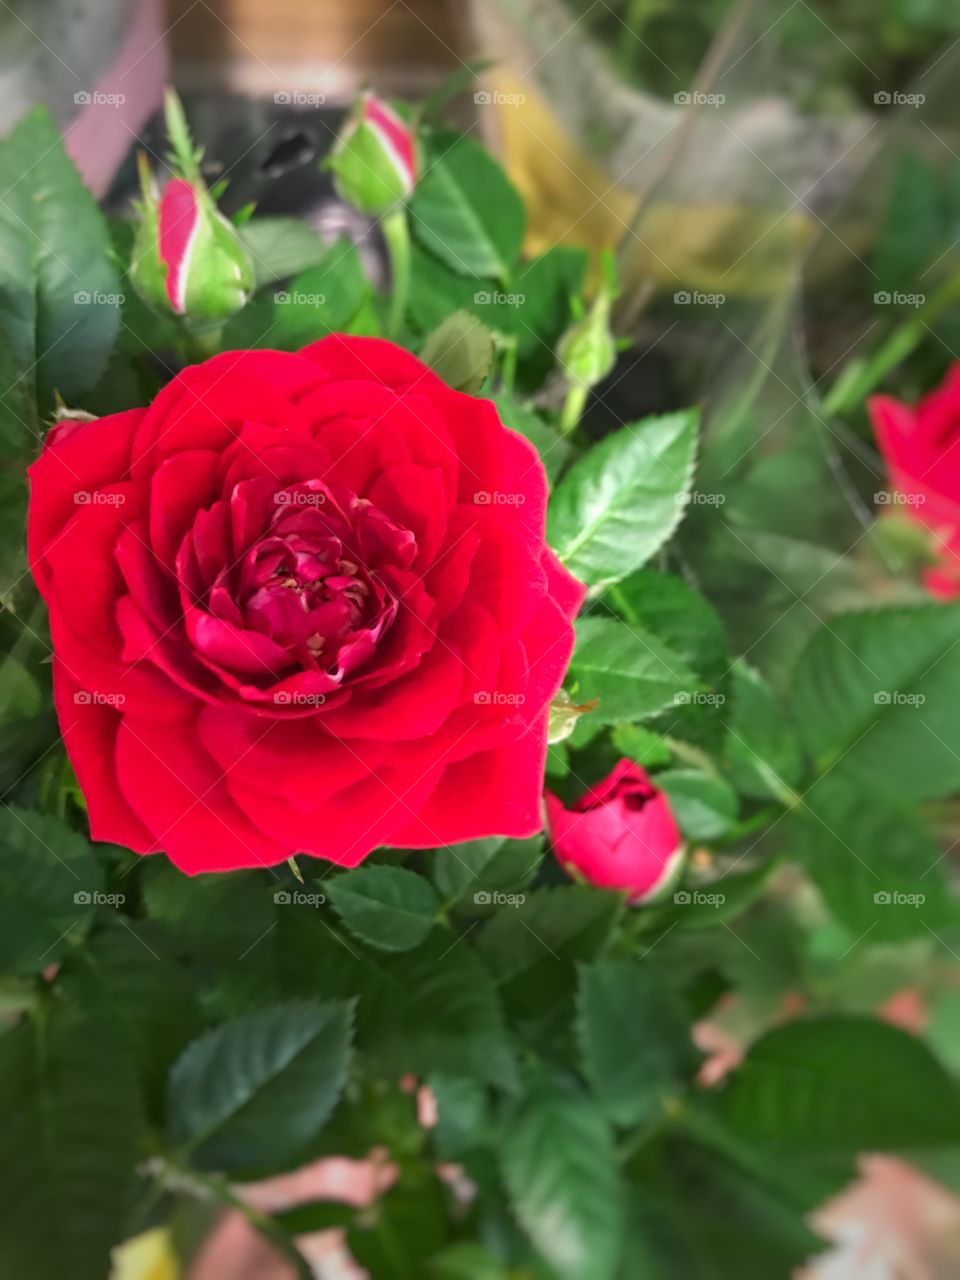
x,y
620,835
921,448
302,603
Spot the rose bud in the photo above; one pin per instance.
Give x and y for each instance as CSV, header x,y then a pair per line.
x,y
620,835
588,349
919,444
374,160
187,258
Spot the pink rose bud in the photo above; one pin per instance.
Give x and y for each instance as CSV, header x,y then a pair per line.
x,y
619,835
187,258
918,444
374,160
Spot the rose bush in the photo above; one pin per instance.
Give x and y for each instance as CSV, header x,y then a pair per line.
x,y
921,448
301,603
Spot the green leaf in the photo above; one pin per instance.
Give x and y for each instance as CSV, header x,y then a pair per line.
x,y
281,247
632,672
216,916
465,210
532,947
19,422
460,352
561,1174
69,1144
913,226
253,1090
698,1215
49,886
321,300
59,287
388,907
151,1001
710,903
634,1039
881,689
704,806
431,1009
880,872
552,447
641,744
763,755
470,875
841,1085
467,1261
676,613
622,501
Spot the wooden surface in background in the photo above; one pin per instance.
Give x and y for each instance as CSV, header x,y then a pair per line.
x,y
257,43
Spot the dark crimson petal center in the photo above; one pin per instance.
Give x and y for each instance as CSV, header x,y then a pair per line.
x,y
311,577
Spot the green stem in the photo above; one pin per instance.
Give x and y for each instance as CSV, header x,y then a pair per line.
x,y
396,232
860,377
573,408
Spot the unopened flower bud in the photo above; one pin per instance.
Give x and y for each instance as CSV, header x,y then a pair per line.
x,y
374,160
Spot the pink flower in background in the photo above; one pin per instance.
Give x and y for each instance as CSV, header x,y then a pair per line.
x,y
620,835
